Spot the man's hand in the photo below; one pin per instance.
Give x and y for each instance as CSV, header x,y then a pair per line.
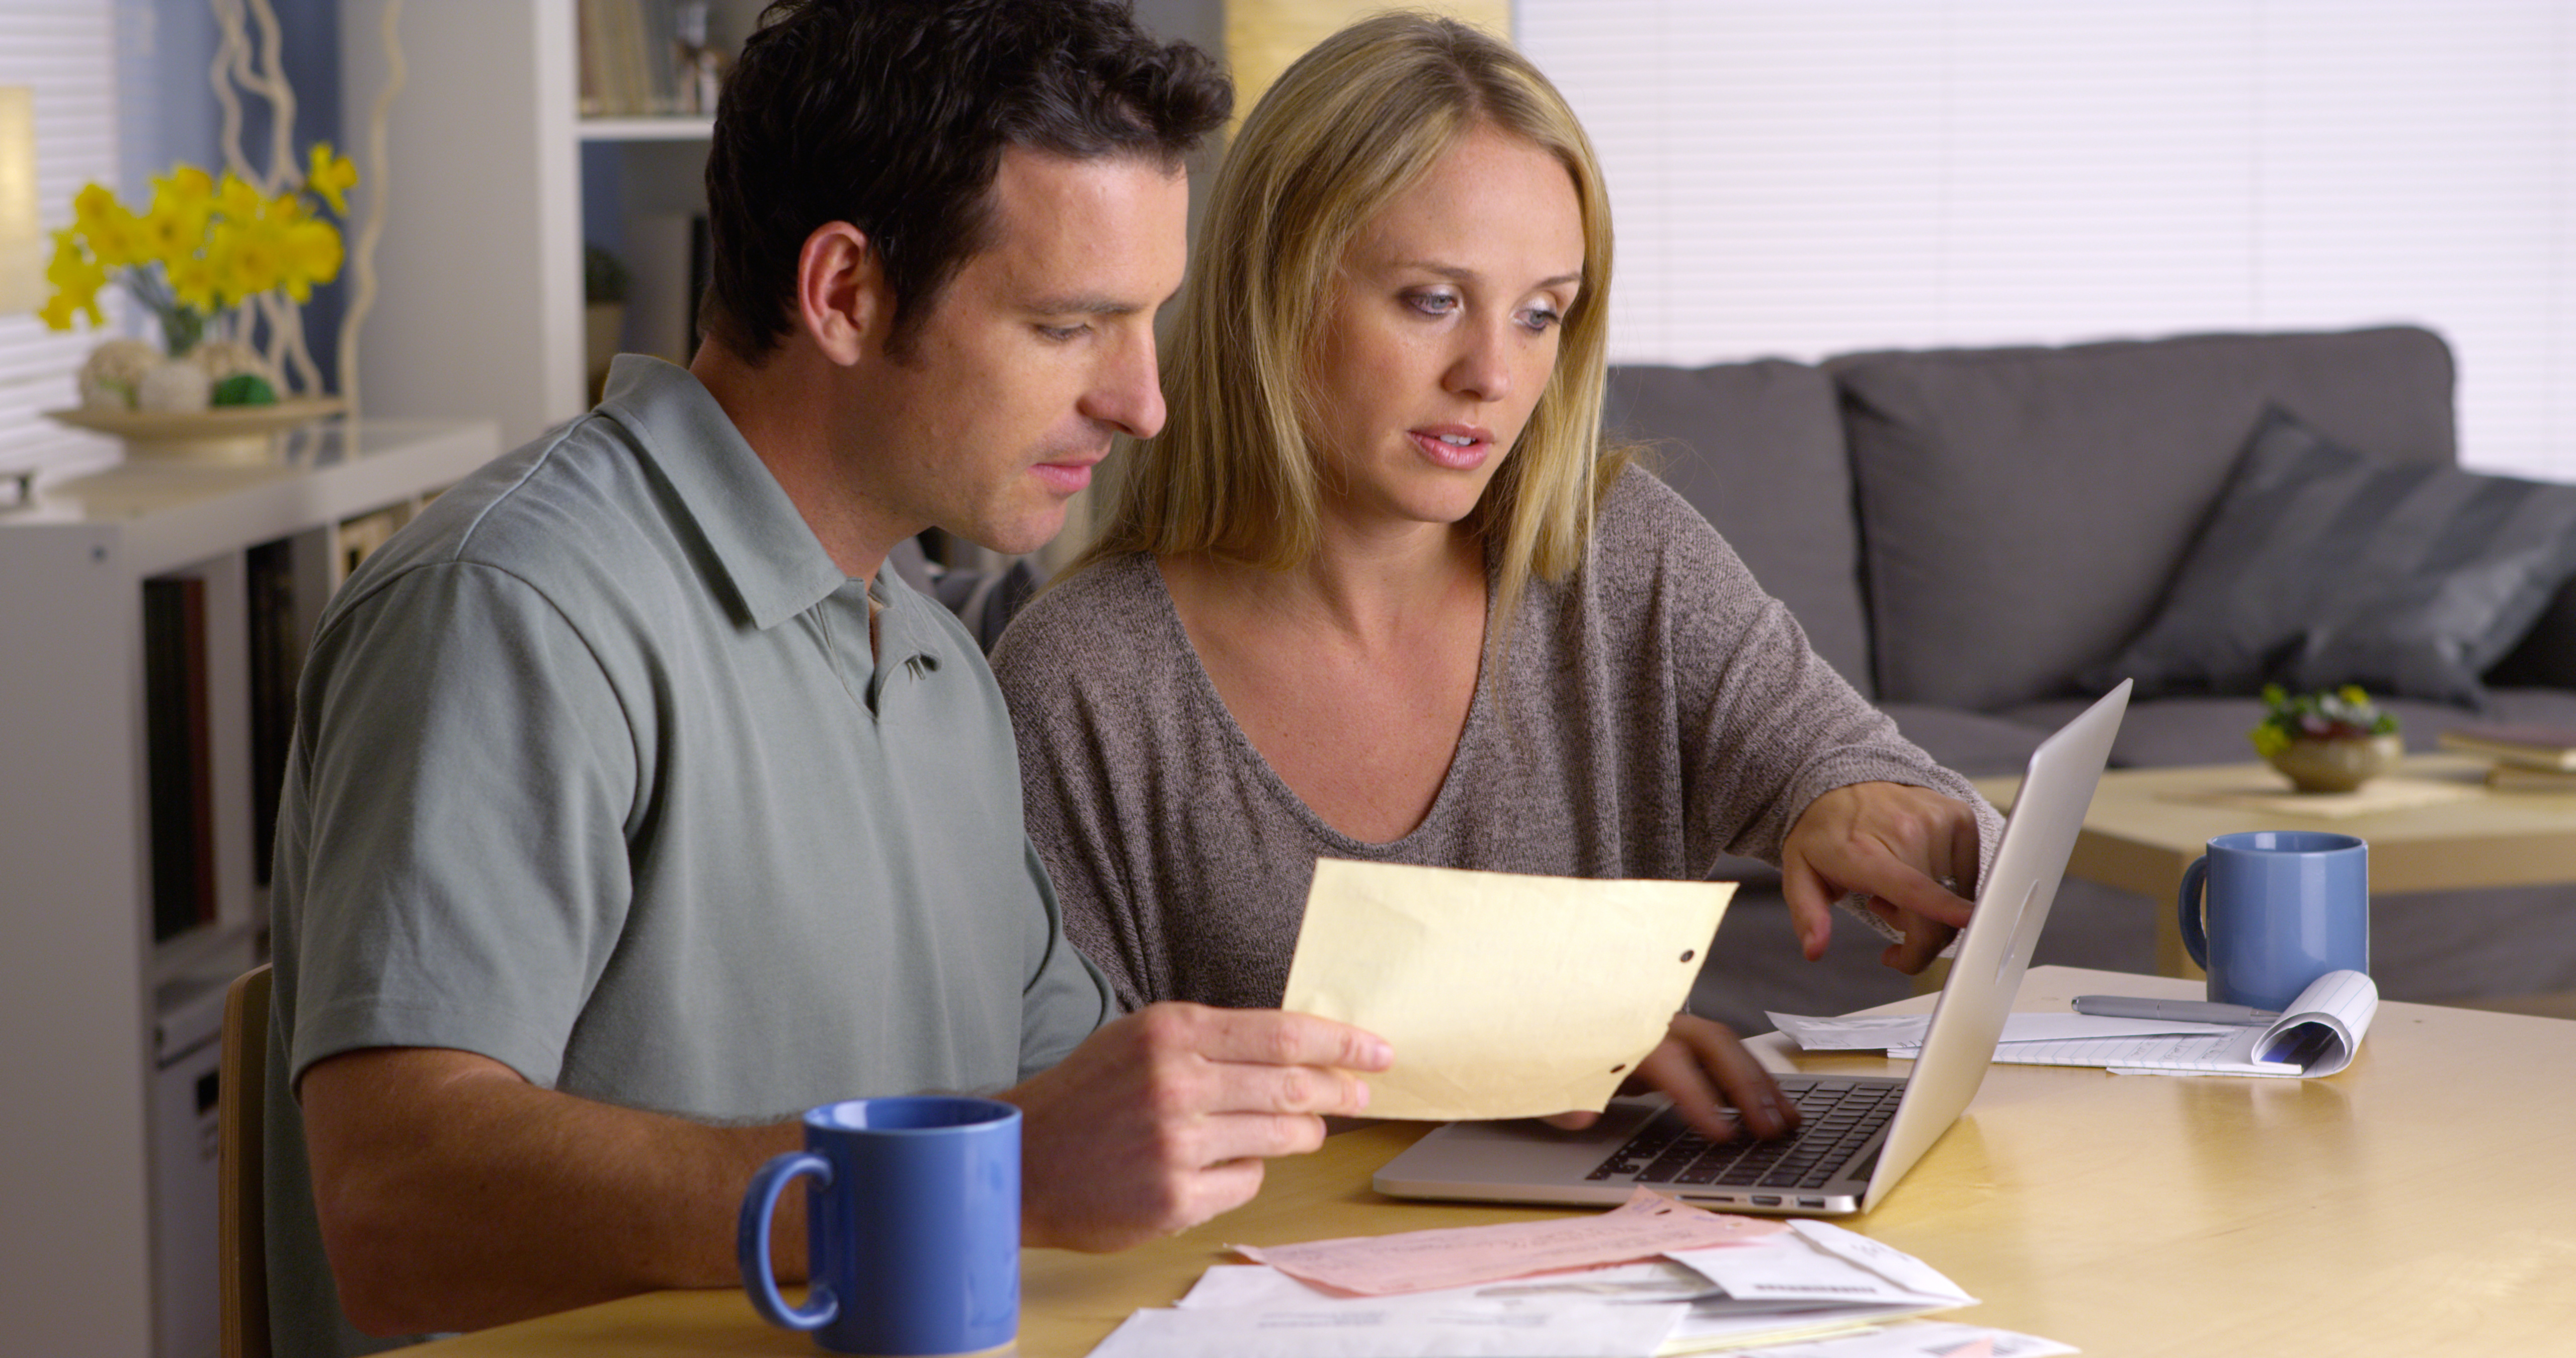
x,y
1893,844
1715,1083
1161,1120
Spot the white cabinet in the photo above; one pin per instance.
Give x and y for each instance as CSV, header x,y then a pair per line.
x,y
86,1197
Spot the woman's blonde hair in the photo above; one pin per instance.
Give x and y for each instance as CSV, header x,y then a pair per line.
x,y
1347,128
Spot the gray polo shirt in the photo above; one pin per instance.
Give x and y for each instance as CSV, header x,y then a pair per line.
x,y
596,775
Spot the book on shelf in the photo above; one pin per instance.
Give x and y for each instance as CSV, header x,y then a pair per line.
x,y
276,659
647,59
2526,745
178,755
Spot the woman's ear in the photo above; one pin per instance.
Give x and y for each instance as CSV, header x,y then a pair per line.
x,y
842,298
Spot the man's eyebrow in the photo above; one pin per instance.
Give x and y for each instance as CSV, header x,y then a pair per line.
x,y
1084,306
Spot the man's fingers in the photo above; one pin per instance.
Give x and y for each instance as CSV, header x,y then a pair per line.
x,y
1274,1038
1229,1139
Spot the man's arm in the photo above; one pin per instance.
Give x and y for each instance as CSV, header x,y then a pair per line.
x,y
454,1195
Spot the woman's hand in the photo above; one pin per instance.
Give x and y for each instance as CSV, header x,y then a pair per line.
x,y
1894,844
1707,1073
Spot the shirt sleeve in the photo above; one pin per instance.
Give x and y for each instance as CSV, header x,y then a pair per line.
x,y
467,774
1067,997
1767,725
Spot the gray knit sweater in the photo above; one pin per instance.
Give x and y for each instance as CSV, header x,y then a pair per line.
x,y
1655,710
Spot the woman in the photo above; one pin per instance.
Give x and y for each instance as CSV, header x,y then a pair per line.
x,y
1378,592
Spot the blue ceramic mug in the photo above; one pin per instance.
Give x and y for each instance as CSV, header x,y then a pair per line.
x,y
2284,908
912,1227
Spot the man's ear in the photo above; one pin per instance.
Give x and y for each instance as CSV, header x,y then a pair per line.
x,y
842,297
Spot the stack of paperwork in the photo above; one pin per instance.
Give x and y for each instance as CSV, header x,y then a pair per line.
x,y
1654,1276
2316,1036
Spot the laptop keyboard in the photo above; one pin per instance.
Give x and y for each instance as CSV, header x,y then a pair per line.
x,y
1835,1119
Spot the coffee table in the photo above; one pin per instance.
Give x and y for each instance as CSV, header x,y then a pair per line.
x,y
2147,825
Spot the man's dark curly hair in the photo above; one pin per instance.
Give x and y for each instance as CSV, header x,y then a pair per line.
x,y
892,115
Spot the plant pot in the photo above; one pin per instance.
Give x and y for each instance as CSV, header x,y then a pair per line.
x,y
2314,765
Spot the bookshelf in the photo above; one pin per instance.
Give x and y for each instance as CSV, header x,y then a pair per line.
x,y
110,1198
496,182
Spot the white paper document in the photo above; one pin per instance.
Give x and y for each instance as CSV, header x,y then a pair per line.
x,y
1881,1032
1918,1339
1808,1282
2317,1035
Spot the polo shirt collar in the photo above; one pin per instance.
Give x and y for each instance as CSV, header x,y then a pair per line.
x,y
762,545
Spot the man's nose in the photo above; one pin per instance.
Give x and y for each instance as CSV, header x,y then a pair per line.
x,y
1128,391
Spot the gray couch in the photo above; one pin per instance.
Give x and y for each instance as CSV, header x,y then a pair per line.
x,y
1965,534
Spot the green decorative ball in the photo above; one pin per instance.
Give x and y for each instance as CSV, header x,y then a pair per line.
x,y
245,389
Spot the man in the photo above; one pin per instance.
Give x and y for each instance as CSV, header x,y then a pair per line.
x,y
635,809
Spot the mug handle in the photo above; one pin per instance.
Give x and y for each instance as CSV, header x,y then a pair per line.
x,y
751,1244
2195,937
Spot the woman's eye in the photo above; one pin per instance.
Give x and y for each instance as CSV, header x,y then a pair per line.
x,y
1538,319
1432,303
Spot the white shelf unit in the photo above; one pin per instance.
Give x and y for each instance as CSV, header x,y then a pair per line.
x,y
84,1209
480,263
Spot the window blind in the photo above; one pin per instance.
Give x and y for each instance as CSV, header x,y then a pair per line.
x,y
1803,179
66,52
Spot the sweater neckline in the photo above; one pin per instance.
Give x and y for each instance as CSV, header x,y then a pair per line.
x,y
1167,615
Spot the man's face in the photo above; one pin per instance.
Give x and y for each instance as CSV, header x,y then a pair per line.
x,y
1039,351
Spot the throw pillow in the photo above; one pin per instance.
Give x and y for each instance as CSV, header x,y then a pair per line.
x,y
2321,566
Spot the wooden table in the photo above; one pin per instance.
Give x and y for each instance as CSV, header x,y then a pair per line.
x,y
2147,825
2129,1215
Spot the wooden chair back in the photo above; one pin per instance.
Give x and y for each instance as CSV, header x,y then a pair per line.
x,y
241,1100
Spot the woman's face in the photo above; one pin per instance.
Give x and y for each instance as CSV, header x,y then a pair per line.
x,y
1442,330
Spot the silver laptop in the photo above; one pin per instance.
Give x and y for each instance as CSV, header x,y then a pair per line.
x,y
1859,1134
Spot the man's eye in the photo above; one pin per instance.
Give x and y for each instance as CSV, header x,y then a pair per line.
x,y
1062,333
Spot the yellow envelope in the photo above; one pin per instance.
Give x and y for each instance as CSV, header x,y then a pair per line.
x,y
1504,995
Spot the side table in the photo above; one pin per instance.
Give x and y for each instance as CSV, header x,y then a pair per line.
x,y
2147,825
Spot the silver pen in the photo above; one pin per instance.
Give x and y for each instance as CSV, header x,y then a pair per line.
x,y
2181,1011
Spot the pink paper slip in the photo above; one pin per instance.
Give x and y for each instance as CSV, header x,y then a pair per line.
x,y
1646,1225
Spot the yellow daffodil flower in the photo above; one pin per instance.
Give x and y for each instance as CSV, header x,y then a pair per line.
x,y
312,255
181,202
332,176
57,314
248,255
237,200
114,234
192,282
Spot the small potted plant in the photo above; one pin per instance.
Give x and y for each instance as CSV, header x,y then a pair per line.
x,y
2331,741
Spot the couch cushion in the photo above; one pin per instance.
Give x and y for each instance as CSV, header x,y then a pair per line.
x,y
1969,743
2320,567
1758,448
2023,509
